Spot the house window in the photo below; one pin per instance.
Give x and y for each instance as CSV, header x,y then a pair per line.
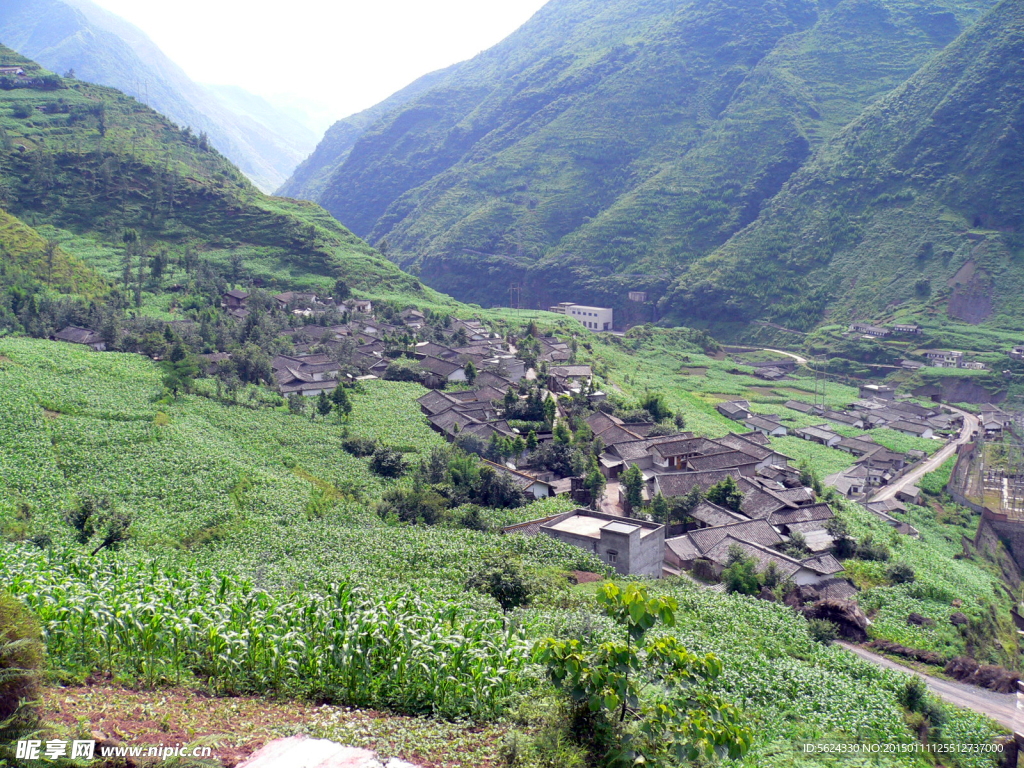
x,y
613,556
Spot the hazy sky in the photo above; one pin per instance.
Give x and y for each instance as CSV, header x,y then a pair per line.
x,y
346,55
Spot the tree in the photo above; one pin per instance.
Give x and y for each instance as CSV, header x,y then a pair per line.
x,y
842,543
91,516
740,574
342,403
660,509
531,441
180,369
550,411
643,701
341,291
296,403
594,482
654,403
49,252
633,481
506,580
324,404
562,434
471,372
387,462
726,494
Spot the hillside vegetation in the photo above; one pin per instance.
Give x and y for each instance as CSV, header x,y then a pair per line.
x,y
604,147
256,565
103,48
81,164
918,201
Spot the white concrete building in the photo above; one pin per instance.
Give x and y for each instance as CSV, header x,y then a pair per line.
x,y
594,318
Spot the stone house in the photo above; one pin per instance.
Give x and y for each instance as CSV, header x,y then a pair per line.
x,y
631,547
74,334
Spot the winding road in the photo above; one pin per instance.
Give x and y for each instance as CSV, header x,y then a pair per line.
x,y
1001,707
922,469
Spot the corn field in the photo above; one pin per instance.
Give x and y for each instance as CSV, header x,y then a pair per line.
x,y
164,626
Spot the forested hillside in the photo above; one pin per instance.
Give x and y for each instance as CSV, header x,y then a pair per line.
x,y
104,197
918,202
103,48
605,146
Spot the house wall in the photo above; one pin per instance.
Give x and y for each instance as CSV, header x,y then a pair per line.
x,y
594,318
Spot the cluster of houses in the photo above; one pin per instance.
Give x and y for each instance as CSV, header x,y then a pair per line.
x,y
878,331
877,407
938,358
775,509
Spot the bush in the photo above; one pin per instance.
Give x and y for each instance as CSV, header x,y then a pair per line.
x,y
822,631
21,658
359,446
901,573
868,549
402,370
740,575
418,505
387,462
914,694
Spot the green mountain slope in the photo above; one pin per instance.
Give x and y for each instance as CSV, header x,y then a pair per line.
x,y
604,146
310,177
81,163
103,48
918,204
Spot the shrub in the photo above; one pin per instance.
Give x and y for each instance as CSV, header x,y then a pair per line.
x,y
21,657
387,462
359,446
418,505
914,694
822,631
869,549
901,573
740,574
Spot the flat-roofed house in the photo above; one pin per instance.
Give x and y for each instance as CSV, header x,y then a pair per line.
x,y
631,547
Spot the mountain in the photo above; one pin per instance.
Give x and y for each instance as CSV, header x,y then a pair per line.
x,y
80,164
314,173
917,206
103,48
608,144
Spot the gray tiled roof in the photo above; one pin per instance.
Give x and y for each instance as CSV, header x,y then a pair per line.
x,y
754,531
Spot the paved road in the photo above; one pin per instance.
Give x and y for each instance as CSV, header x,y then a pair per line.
x,y
1001,707
912,477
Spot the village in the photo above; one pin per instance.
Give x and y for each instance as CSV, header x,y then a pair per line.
x,y
667,502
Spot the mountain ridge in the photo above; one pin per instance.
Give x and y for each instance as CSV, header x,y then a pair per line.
x,y
616,149
105,49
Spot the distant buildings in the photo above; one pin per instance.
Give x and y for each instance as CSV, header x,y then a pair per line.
x,y
85,336
594,318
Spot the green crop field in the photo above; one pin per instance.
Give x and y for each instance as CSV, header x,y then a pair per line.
x,y
241,578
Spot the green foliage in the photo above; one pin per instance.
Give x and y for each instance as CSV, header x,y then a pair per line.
x,y
21,663
387,462
606,683
726,494
822,631
504,579
632,481
740,573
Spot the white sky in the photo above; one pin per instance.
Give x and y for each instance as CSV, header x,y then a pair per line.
x,y
346,55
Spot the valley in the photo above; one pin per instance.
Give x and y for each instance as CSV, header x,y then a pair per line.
x,y
647,390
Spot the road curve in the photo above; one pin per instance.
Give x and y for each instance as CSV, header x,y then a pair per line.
x,y
800,360
929,465
1001,707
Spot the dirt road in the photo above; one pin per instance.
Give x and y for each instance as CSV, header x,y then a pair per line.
x,y
1001,707
912,477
